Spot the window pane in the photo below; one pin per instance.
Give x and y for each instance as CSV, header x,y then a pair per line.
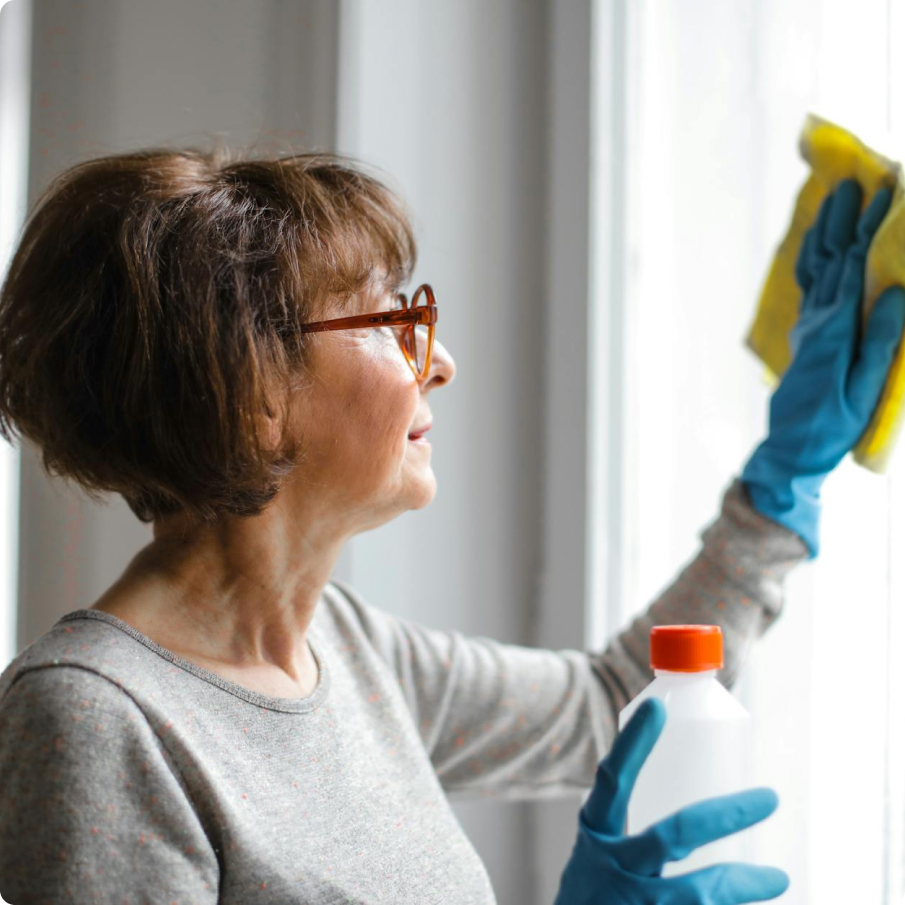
x,y
717,95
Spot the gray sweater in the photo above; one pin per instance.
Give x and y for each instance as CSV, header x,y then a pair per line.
x,y
131,776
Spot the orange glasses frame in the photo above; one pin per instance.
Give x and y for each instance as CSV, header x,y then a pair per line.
x,y
411,317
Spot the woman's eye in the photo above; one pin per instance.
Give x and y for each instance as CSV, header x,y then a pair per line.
x,y
381,331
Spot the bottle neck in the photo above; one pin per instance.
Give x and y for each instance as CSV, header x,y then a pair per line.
x,y
687,676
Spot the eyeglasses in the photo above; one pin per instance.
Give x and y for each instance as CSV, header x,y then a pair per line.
x,y
413,325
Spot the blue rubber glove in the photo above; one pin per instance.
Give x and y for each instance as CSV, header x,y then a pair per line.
x,y
827,396
609,868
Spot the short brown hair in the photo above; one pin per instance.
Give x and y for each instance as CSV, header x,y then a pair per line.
x,y
150,314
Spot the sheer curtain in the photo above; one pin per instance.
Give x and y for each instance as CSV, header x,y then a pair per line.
x,y
713,97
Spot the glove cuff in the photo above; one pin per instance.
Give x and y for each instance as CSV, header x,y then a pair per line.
x,y
792,501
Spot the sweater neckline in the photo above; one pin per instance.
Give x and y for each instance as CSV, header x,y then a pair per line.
x,y
286,705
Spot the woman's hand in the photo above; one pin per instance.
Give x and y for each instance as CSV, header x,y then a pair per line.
x,y
609,868
827,396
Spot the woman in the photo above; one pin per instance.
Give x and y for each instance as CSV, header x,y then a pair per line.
x,y
226,723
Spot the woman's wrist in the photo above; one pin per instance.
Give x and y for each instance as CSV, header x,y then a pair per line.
x,y
792,501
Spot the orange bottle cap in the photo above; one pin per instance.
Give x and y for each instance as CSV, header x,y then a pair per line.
x,y
686,648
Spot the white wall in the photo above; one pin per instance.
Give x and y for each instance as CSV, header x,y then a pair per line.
x,y
449,98
15,84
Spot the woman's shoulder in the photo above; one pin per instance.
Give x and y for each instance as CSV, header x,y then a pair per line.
x,y
77,654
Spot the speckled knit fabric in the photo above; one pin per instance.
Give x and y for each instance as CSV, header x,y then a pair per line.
x,y
129,775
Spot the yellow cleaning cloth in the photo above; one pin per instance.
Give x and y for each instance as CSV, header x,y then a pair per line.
x,y
834,155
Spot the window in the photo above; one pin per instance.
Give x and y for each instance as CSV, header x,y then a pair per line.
x,y
699,109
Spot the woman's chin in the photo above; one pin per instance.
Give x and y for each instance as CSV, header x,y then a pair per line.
x,y
427,490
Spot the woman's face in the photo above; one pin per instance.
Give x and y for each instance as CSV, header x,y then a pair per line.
x,y
359,464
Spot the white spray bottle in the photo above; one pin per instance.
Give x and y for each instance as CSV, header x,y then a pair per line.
x,y
706,746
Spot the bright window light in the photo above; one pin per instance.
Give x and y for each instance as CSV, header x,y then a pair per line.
x,y
715,96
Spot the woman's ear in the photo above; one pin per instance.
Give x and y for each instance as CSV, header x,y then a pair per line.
x,y
280,413
269,424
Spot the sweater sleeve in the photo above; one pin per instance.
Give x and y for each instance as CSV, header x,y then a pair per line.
x,y
91,806
516,723
735,581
